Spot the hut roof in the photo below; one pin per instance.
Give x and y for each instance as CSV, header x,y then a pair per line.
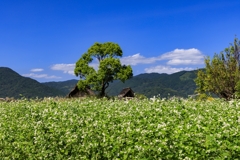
x,y
79,93
126,92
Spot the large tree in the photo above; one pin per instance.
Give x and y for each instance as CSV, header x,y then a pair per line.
x,y
109,67
221,74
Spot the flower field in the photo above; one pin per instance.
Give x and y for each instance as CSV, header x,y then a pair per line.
x,y
107,129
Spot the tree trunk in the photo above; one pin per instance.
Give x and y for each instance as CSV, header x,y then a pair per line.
x,y
104,87
102,92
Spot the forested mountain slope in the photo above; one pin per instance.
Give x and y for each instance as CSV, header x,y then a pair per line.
x,y
64,86
152,84
14,85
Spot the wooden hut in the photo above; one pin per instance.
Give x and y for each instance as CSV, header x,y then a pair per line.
x,y
126,92
81,93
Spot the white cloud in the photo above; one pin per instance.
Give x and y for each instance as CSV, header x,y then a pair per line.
x,y
165,69
33,75
36,70
183,57
69,68
66,68
137,59
176,57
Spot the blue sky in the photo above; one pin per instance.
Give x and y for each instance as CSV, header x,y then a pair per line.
x,y
43,39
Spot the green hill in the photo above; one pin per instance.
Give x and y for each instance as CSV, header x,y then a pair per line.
x,y
13,85
152,84
64,86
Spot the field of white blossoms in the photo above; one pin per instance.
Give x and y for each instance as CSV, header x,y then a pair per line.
x,y
108,129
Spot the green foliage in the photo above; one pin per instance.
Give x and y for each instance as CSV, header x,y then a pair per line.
x,y
221,73
109,68
238,89
103,129
202,96
140,96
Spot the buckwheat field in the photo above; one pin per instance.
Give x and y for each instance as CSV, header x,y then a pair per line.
x,y
116,129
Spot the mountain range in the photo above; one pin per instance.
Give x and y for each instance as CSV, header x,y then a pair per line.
x,y
14,85
179,84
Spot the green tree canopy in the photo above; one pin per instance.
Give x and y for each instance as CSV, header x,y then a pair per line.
x,y
221,74
109,67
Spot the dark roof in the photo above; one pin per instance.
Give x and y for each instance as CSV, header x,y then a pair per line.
x,y
78,93
126,92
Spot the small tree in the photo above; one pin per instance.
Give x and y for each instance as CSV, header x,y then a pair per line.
x,y
221,74
109,68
